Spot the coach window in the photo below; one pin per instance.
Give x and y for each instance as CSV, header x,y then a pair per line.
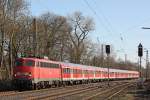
x,y
42,64
105,73
98,72
90,72
81,71
75,71
52,65
65,70
68,70
37,64
71,71
86,71
47,64
113,73
94,72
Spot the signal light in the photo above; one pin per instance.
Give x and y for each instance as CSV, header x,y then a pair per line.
x,y
140,50
108,49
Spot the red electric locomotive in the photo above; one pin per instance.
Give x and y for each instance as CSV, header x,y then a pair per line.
x,y
36,73
40,73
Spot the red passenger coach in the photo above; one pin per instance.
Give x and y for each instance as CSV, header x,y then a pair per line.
x,y
40,73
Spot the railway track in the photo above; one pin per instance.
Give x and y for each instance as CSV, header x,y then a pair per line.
x,y
36,93
117,93
109,93
61,94
75,94
80,92
6,93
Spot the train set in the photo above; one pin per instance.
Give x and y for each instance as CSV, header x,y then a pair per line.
x,y
35,73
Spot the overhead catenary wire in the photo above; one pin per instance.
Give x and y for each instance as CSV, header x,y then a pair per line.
x,y
110,31
121,38
99,18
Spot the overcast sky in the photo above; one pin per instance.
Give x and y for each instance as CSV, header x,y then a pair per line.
x,y
118,22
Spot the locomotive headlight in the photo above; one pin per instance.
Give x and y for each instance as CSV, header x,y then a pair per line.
x,y
23,74
30,74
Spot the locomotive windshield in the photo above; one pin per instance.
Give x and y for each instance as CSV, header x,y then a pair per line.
x,y
19,63
25,63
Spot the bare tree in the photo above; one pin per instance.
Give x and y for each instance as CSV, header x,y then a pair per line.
x,y
81,26
10,10
51,35
2,26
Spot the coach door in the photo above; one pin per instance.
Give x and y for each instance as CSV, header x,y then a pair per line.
x,y
71,74
36,72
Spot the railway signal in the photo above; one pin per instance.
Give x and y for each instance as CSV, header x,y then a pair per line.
x,y
140,54
140,50
108,53
107,49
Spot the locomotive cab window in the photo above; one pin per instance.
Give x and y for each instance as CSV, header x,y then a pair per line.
x,y
29,63
24,63
18,63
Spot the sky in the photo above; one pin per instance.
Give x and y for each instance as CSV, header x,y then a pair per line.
x,y
117,22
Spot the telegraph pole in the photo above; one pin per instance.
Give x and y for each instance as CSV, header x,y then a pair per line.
x,y
147,61
34,37
102,54
147,64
